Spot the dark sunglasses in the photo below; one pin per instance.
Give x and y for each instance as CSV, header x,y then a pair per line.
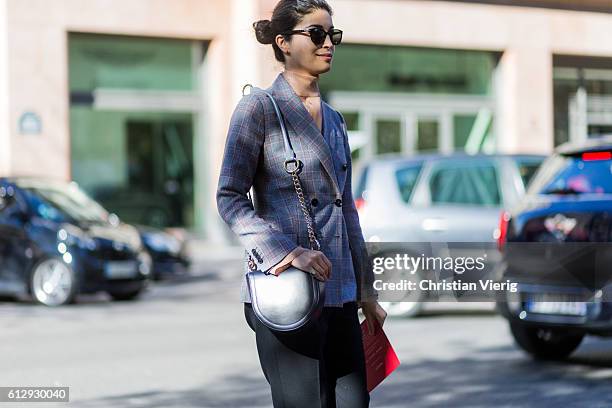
x,y
317,35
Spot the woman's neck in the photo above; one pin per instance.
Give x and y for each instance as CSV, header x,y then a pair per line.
x,y
303,84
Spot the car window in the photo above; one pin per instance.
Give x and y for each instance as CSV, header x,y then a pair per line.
x,y
361,184
465,183
588,173
60,201
406,178
527,168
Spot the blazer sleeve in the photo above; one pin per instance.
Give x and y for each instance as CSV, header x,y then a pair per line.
x,y
243,147
362,263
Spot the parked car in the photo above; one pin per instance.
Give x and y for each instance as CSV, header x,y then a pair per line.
x,y
56,242
168,252
557,246
438,198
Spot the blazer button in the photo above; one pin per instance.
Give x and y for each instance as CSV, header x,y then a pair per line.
x,y
344,166
314,202
338,202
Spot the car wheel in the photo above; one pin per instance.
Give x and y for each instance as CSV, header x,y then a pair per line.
x,y
52,282
125,295
544,343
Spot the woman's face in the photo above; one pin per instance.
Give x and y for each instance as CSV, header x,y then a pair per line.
x,y
301,53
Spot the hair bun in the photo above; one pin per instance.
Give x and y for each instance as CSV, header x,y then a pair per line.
x,y
263,31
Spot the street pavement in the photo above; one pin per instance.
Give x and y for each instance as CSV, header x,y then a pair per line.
x,y
185,344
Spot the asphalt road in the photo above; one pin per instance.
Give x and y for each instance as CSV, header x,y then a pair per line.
x,y
185,344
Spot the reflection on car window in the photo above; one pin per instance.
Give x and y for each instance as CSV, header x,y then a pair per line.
x,y
574,175
467,184
406,179
57,201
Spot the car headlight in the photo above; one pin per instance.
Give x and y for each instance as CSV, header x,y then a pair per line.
x,y
514,301
144,263
163,242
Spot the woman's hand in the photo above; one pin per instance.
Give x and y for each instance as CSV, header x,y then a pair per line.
x,y
314,262
373,312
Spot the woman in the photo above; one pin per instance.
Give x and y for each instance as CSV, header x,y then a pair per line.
x,y
322,365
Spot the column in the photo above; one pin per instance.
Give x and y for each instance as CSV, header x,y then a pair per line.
x,y
524,101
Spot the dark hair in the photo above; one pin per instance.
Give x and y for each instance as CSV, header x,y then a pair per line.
x,y
286,15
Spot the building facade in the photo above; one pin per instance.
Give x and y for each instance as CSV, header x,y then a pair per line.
x,y
131,99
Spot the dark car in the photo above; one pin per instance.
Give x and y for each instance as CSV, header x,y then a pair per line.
x,y
168,252
56,242
557,249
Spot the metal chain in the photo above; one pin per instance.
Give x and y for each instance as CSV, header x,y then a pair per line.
x,y
314,243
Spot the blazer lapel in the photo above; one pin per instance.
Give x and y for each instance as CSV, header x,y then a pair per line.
x,y
297,116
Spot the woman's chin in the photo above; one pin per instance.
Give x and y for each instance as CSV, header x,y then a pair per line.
x,y
323,68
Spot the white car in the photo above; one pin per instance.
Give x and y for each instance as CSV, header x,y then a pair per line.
x,y
438,198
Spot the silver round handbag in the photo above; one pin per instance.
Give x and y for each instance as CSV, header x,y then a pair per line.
x,y
290,300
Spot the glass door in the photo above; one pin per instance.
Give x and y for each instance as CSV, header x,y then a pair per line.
x,y
427,134
388,135
408,125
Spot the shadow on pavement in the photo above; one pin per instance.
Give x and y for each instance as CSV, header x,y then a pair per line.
x,y
236,391
428,383
482,380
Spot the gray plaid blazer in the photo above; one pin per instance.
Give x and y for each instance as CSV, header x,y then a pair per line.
x,y
254,156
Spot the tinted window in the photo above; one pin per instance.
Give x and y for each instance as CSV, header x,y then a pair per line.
x,y
527,168
406,179
61,202
574,175
465,183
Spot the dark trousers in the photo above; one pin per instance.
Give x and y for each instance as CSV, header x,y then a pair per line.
x,y
321,365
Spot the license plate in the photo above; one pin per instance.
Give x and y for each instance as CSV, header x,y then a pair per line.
x,y
569,307
120,269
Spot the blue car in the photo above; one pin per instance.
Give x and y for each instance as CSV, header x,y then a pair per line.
x,y
56,242
557,249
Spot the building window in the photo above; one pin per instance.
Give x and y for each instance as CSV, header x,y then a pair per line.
x,y
407,99
582,98
134,104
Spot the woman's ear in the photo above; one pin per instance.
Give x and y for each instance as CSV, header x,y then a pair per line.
x,y
282,43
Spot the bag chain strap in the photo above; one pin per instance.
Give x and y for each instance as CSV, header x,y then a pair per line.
x,y
314,243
